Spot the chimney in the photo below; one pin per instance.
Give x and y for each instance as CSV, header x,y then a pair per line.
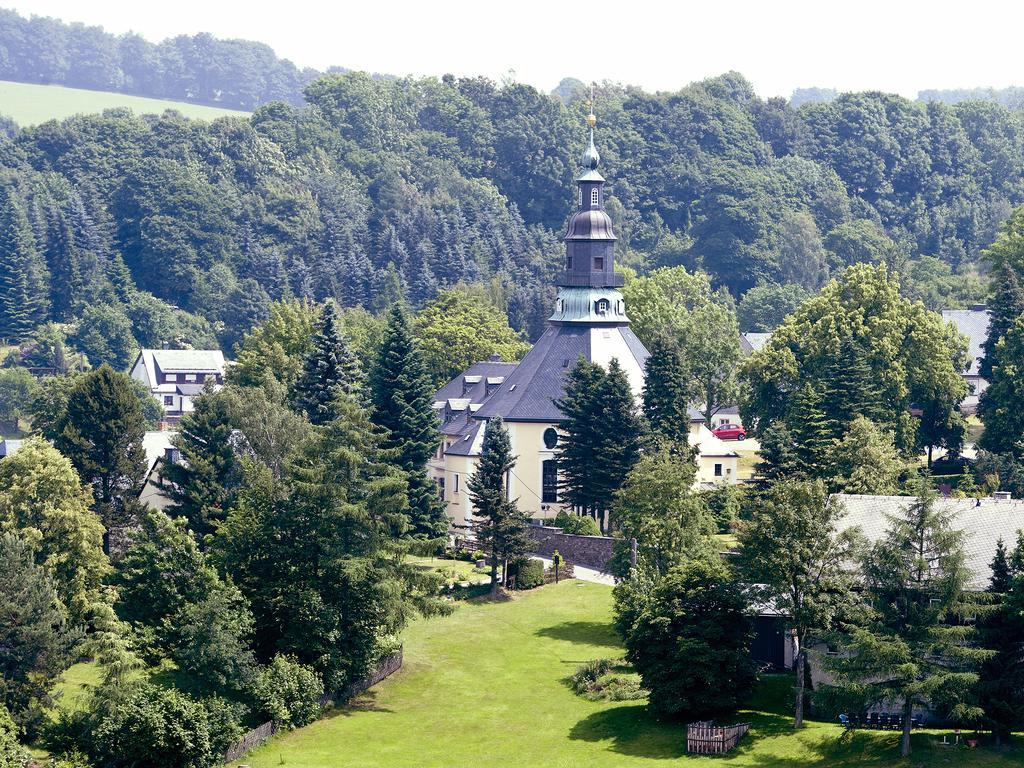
x,y
1002,496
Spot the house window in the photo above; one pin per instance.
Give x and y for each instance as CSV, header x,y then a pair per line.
x,y
550,438
718,470
599,263
440,488
190,377
168,399
171,377
549,482
595,197
455,485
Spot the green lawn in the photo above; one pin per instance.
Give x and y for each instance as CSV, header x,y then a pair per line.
x,y
485,686
452,570
30,104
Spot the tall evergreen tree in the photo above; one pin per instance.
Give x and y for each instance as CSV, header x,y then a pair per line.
x,y
813,431
1006,256
203,484
24,299
666,400
499,525
403,407
905,650
1000,406
329,369
102,434
778,457
1001,683
603,434
62,261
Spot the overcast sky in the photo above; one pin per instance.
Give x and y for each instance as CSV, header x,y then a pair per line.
x,y
893,45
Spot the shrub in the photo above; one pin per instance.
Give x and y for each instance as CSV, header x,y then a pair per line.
x,y
594,682
528,573
288,692
580,525
144,724
11,753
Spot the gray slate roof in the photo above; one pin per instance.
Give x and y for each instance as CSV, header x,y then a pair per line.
x,y
982,524
188,360
530,391
479,371
972,323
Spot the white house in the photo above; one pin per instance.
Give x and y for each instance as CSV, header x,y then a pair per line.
x,y
176,376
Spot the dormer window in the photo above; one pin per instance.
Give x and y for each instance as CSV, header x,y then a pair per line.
x,y
559,306
595,197
602,307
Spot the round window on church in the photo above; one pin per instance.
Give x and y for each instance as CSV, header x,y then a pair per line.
x,y
550,438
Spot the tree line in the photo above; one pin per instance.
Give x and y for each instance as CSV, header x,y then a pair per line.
x,y
239,74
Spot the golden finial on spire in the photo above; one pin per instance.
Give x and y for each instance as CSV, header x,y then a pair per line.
x,y
591,118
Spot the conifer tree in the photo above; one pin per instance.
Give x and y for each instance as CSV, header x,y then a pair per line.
x,y
1000,406
203,484
329,369
403,407
102,434
603,433
62,261
812,430
778,457
499,525
666,400
1008,293
850,391
1002,676
24,300
905,650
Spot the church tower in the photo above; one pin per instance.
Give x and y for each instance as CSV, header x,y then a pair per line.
x,y
589,321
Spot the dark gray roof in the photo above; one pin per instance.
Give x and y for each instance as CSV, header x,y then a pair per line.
x,y
467,439
982,524
972,323
530,391
476,390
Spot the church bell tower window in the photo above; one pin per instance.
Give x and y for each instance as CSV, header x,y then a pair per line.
x,y
595,197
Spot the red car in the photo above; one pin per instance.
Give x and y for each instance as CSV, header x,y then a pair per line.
x,y
730,432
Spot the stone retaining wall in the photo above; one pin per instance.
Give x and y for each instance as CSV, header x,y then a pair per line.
x,y
587,551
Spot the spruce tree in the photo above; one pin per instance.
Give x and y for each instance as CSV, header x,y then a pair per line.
x,y
204,483
403,407
24,300
778,457
499,525
905,650
329,369
812,431
102,434
1001,680
62,261
603,434
1006,306
1000,406
666,401
848,388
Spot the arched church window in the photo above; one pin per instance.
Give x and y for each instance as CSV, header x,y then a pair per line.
x,y
595,197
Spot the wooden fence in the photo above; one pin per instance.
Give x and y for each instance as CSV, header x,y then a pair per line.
x,y
703,738
261,733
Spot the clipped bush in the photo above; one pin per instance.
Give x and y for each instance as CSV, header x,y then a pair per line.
x,y
579,525
528,573
287,692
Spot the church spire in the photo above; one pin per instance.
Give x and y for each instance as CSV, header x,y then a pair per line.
x,y
590,239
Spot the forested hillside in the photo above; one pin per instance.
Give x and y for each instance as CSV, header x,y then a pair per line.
x,y
377,189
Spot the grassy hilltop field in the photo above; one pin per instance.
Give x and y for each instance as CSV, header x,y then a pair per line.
x,y
29,104
487,685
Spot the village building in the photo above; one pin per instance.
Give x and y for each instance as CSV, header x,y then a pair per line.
x,y
972,323
175,377
589,321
